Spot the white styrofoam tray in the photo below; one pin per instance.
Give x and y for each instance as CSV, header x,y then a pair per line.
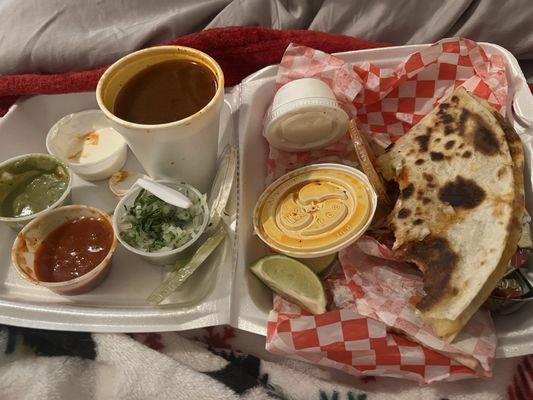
x,y
119,304
222,291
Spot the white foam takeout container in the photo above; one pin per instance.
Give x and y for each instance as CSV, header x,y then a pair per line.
x,y
222,291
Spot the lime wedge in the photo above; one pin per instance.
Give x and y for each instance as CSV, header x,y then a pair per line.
x,y
293,281
319,264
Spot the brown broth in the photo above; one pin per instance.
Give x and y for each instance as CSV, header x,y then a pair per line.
x,y
73,249
166,92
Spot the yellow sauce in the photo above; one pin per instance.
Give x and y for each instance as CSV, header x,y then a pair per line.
x,y
314,211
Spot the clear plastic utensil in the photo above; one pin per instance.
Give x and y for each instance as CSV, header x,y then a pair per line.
x,y
165,193
184,269
221,188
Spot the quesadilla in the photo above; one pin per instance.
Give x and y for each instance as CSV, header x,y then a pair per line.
x,y
458,215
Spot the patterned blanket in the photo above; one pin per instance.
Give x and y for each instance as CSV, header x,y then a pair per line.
x,y
212,363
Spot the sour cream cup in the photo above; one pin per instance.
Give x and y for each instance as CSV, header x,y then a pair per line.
x,y
32,235
18,222
181,150
315,210
304,115
88,144
160,257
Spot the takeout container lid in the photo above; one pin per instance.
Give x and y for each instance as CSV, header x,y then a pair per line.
x,y
161,257
32,235
304,115
18,222
315,210
71,128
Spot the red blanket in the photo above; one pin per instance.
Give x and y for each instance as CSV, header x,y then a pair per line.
x,y
239,51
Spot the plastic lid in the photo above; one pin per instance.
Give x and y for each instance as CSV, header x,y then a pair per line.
x,y
306,124
315,210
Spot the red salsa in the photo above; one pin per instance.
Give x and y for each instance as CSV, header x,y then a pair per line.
x,y
73,249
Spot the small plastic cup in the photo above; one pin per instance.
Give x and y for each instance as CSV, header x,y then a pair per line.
x,y
304,115
32,235
160,257
18,222
315,211
106,150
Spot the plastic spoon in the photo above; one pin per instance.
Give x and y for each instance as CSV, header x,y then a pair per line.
x,y
165,193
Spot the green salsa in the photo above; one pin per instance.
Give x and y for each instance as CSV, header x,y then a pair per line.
x,y
30,185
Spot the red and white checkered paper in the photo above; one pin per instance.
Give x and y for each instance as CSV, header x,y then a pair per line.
x,y
388,102
373,327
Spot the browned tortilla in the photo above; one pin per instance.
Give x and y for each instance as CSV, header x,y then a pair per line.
x,y
460,173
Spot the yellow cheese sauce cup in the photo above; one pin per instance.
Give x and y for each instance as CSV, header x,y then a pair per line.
x,y
315,210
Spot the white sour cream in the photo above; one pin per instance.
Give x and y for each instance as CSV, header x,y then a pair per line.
x,y
84,140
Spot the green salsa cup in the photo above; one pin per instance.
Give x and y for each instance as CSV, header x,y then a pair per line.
x,y
30,186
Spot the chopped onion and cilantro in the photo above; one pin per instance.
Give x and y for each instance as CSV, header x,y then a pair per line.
x,y
152,225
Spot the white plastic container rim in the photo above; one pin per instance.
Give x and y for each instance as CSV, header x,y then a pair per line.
x,y
245,312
